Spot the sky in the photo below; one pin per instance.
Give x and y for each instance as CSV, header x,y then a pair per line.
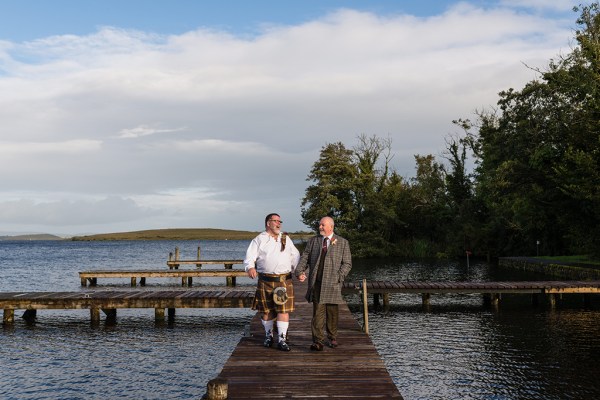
x,y
125,115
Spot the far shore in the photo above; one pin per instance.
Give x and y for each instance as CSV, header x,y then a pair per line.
x,y
183,234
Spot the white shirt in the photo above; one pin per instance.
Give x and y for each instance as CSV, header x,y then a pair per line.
x,y
264,254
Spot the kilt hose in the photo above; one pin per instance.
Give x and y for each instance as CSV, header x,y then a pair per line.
x,y
263,299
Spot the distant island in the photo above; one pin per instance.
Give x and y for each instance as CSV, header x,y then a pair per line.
x,y
182,234
38,236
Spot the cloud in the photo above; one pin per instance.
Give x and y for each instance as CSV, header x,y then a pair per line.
x,y
223,129
144,130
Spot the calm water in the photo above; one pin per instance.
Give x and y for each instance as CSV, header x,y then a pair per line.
x,y
458,349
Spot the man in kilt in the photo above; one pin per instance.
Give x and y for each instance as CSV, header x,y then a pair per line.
x,y
272,257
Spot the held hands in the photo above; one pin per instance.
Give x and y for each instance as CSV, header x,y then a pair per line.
x,y
252,273
302,277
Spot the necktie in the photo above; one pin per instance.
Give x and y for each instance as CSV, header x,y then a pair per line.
x,y
324,249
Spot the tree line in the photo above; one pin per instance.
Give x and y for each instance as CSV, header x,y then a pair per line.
x,y
534,187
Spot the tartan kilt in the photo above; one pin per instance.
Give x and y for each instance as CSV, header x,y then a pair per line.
x,y
263,299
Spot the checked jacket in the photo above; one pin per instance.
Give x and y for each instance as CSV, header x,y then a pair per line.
x,y
338,262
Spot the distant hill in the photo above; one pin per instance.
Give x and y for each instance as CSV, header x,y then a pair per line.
x,y
180,234
39,236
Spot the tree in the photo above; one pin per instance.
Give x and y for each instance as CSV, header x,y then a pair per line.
x,y
332,190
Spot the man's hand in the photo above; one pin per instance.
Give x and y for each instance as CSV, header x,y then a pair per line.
x,y
252,273
302,277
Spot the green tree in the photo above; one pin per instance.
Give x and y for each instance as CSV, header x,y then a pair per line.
x,y
332,190
539,153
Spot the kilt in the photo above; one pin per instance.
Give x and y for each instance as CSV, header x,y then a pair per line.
x,y
263,299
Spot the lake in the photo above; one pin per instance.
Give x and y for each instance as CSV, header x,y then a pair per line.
x,y
457,349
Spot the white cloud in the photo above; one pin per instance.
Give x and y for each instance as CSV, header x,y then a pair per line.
x,y
226,128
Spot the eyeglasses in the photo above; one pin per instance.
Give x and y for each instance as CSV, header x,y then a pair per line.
x,y
276,220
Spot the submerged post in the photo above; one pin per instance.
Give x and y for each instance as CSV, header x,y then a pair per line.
x,y
365,307
198,258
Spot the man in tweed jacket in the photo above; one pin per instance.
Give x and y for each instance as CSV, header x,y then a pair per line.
x,y
328,259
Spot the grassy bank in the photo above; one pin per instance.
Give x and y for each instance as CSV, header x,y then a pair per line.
x,y
181,234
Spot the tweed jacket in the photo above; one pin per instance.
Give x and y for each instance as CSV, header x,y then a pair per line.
x,y
338,262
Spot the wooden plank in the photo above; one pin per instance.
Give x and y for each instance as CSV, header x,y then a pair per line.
x,y
353,370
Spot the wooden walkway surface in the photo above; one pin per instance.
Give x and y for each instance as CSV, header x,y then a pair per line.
x,y
541,287
354,370
110,300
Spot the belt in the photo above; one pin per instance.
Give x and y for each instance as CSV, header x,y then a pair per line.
x,y
275,277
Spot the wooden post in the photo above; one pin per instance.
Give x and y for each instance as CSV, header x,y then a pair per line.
x,y
426,299
29,315
183,281
170,259
230,279
143,281
83,281
189,281
176,266
133,281
386,301
171,314
365,307
217,389
376,299
198,258
95,315
551,300
111,315
159,314
9,316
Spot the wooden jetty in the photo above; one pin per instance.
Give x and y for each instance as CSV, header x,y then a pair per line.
x,y
91,277
352,370
110,300
174,261
492,291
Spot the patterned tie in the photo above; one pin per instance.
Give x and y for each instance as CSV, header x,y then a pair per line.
x,y
324,249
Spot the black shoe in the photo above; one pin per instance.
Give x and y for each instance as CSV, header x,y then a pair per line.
x,y
316,346
268,341
283,346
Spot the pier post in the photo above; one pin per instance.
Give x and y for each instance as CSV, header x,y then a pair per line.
x,y
9,316
133,281
230,279
198,258
386,301
365,307
95,315
376,302
217,389
159,314
30,315
171,314
176,266
83,281
143,281
551,300
170,259
189,281
426,299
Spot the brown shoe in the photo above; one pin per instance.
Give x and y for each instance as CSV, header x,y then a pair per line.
x,y
332,343
316,346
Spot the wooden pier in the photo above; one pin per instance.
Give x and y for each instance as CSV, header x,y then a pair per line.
x,y
110,300
352,370
91,277
492,291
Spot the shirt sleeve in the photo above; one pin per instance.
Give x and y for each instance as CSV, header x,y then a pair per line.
x,y
251,255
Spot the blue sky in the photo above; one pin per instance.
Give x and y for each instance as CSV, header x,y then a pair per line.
x,y
130,115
